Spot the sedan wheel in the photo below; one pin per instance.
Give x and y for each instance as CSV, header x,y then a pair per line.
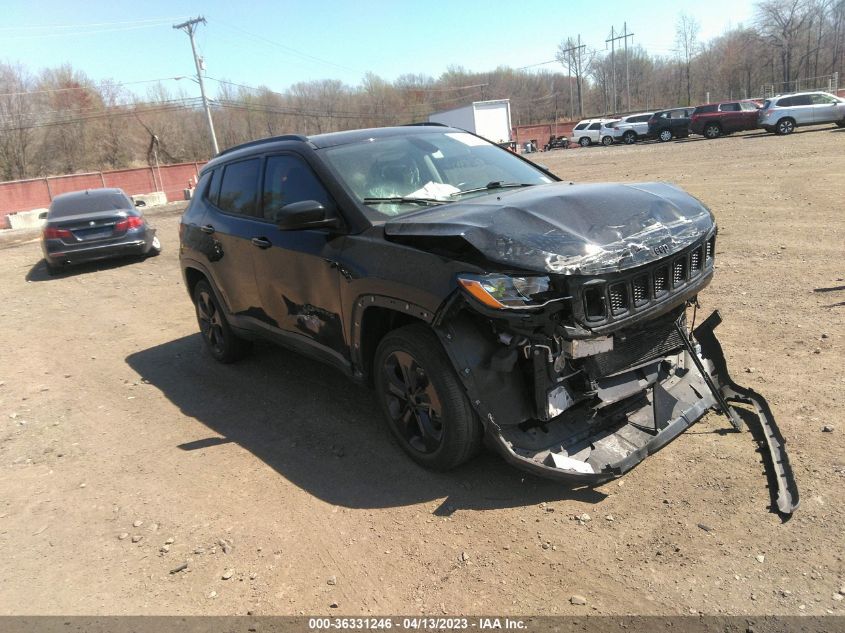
x,y
665,135
785,126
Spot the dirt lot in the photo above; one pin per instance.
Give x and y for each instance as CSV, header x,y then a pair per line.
x,y
114,421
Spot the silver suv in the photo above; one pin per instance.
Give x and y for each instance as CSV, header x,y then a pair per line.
x,y
782,115
588,131
629,129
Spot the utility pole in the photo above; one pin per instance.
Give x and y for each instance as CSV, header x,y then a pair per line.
x,y
571,51
190,26
613,37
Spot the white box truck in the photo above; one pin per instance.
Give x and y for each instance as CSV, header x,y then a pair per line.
x,y
490,119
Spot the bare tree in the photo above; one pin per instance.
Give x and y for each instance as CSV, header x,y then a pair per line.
x,y
781,23
686,39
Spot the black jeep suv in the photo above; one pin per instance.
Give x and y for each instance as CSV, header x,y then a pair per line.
x,y
474,290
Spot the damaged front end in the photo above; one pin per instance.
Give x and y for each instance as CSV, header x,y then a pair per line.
x,y
594,373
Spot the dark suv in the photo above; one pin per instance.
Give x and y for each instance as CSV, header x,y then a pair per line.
x,y
475,291
668,124
715,119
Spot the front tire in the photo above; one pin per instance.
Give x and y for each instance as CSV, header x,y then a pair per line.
x,y
665,136
607,141
223,344
423,401
630,137
584,141
711,131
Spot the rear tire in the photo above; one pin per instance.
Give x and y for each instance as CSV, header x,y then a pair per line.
x,y
711,131
223,344
607,141
784,127
665,136
424,403
630,137
840,123
584,141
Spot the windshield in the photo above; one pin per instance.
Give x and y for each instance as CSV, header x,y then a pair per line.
x,y
401,174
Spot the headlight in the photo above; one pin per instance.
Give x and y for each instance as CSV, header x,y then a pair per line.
x,y
502,292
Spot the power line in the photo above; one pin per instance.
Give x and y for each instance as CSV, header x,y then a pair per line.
x,y
289,49
90,24
92,32
92,87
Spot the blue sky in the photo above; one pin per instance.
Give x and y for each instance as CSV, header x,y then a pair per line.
x,y
280,43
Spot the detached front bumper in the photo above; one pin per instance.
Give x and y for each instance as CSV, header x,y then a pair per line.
x,y
591,446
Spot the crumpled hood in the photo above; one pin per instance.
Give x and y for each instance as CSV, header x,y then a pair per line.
x,y
567,229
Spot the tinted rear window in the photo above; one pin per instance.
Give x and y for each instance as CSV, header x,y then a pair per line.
x,y
91,202
580,126
239,187
729,107
705,109
801,100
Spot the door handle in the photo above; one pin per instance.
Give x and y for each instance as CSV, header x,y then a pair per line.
x,y
207,229
261,242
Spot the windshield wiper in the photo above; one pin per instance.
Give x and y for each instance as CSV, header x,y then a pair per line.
x,y
496,184
399,199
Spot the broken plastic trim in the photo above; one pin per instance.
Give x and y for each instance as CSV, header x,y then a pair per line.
x,y
723,392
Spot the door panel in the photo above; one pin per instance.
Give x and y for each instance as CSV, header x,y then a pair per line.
x,y
297,275
228,228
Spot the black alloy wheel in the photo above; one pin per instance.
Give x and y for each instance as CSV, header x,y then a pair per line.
x,y
223,344
412,401
630,137
425,405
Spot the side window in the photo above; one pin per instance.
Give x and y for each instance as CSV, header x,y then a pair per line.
x,y
290,179
595,126
238,189
785,102
211,194
801,100
822,99
580,126
729,107
747,106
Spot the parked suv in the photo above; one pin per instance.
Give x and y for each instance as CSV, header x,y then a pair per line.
x,y
782,115
668,124
629,129
588,132
715,119
475,291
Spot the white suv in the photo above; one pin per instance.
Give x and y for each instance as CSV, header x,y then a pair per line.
x,y
629,129
782,115
588,131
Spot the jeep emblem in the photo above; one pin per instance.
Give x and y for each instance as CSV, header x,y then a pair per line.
x,y
663,249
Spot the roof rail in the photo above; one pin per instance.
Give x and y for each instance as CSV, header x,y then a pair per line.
x,y
261,141
425,123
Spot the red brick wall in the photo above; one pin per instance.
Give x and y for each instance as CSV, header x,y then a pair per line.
x,y
23,195
541,132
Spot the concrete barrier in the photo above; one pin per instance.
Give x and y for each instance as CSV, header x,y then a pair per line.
x,y
153,199
26,219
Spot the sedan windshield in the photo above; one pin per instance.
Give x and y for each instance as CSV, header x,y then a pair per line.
x,y
402,174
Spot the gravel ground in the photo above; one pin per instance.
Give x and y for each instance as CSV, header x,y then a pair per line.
x,y
140,477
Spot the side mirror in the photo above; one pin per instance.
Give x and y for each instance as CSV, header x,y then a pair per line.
x,y
140,203
42,215
305,214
